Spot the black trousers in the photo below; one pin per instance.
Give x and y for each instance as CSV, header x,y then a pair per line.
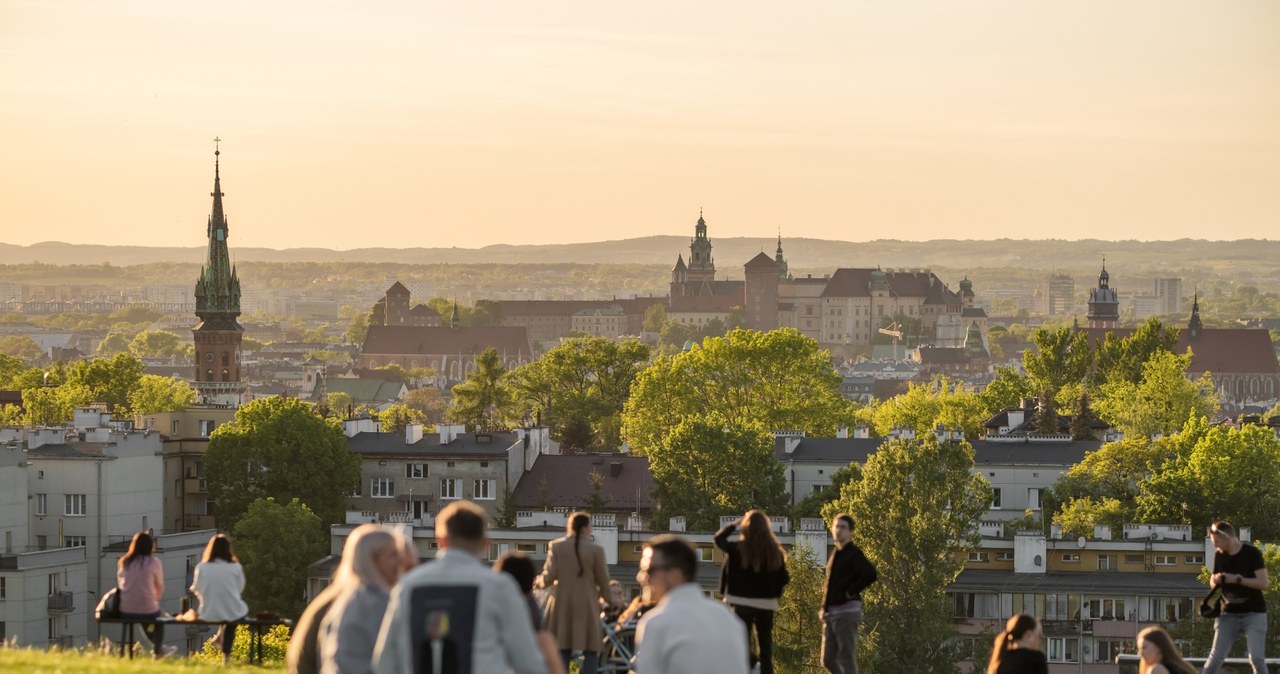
x,y
762,620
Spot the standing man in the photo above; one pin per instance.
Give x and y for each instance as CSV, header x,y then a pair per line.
x,y
686,632
456,614
1238,568
849,572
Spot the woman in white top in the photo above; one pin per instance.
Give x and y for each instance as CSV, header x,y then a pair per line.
x,y
218,582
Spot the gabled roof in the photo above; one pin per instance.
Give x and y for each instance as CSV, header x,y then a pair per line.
x,y
1219,350
365,390
562,480
761,260
423,310
438,340
397,288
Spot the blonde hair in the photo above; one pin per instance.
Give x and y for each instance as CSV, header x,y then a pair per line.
x,y
359,566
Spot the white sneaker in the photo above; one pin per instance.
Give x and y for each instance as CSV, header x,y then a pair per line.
x,y
167,650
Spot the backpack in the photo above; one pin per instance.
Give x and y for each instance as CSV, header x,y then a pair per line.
x,y
109,606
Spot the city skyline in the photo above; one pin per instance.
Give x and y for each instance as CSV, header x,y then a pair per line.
x,y
458,126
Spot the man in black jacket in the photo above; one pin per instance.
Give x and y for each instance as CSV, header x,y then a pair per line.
x,y
849,572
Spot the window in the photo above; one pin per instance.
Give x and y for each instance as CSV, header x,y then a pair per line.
x,y
1109,608
1134,559
1106,562
4,590
527,547
979,557
995,498
706,554
1033,498
73,541
415,471
1194,559
174,427
1166,560
817,488
42,504
76,505
1106,650
382,487
1004,556
1063,649
975,605
484,490
449,488
1070,557
1061,606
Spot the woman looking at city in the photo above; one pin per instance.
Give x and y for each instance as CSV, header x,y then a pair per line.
x,y
372,562
1017,648
578,578
752,579
1159,655
217,584
140,577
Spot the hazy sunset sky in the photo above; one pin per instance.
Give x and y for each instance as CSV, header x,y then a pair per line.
x,y
425,123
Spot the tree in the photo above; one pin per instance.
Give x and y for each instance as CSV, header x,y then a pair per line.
x,y
278,447
155,344
708,466
1060,357
1229,473
1006,390
109,380
1083,418
1161,402
483,401
654,317
1045,419
53,406
1122,360
797,632
10,368
115,342
428,400
485,312
160,394
779,379
276,543
926,406
579,388
596,501
341,403
925,501
1079,516
507,513
357,328
811,505
21,347
10,415
396,418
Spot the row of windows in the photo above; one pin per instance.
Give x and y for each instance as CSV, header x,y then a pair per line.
x,y
1105,562
74,505
1064,606
450,488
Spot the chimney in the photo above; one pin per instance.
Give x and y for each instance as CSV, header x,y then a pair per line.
x,y
1102,532
615,468
676,524
861,432
842,432
412,434
791,442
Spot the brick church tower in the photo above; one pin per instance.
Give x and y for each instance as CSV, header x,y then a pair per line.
x,y
218,334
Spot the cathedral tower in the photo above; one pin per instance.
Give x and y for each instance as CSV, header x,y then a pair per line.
x,y
218,334
701,265
1104,304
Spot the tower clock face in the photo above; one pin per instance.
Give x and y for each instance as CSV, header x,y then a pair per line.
x,y
208,357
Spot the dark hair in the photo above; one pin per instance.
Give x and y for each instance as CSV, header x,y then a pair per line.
x,y
676,553
760,548
142,545
847,519
219,547
463,521
577,522
1016,628
517,565
1169,654
1222,527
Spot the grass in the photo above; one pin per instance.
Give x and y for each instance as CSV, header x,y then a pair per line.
x,y
31,661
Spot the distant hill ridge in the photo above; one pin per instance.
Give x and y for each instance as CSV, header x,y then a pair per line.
x,y
729,253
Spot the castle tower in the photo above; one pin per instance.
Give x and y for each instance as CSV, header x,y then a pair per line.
x,y
701,265
1194,327
218,335
783,273
1104,304
679,275
761,293
966,293
396,310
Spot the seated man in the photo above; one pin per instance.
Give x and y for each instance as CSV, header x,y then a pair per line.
x,y
686,631
454,614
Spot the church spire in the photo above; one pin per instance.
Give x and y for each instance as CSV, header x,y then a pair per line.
x,y
1194,326
217,289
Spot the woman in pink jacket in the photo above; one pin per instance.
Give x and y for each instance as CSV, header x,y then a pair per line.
x,y
140,578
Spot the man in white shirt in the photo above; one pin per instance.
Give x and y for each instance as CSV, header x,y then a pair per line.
x,y
455,614
686,632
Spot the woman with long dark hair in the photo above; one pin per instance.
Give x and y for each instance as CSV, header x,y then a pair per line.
x,y
752,579
576,573
140,578
217,584
1159,654
1017,648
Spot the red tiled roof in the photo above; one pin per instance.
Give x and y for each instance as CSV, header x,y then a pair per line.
x,y
563,480
427,340
1219,350
857,283
706,303
568,308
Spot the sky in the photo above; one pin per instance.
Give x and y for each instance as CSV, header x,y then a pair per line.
x,y
425,123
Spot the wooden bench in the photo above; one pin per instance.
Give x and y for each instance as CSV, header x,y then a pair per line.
x,y
256,628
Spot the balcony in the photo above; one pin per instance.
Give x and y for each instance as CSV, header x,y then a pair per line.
x,y
194,485
61,602
190,522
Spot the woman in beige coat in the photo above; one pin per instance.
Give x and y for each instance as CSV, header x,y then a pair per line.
x,y
576,573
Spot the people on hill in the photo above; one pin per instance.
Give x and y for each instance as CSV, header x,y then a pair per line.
x,y
849,572
575,571
1239,569
1159,655
524,572
140,579
372,562
217,583
752,579
1017,648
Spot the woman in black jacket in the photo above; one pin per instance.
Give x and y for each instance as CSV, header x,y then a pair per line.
x,y
751,581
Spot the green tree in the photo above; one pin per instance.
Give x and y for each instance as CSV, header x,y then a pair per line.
x,y
673,336
277,542
11,415
1079,516
21,347
1006,390
341,403
1161,402
109,380
279,447
780,379
483,402
160,394
928,492
155,344
797,632
1060,357
1122,359
581,385
396,370
1229,473
485,313
428,400
812,504
926,406
10,368
596,500
397,417
357,328
654,317
115,342
708,466
54,406
507,513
